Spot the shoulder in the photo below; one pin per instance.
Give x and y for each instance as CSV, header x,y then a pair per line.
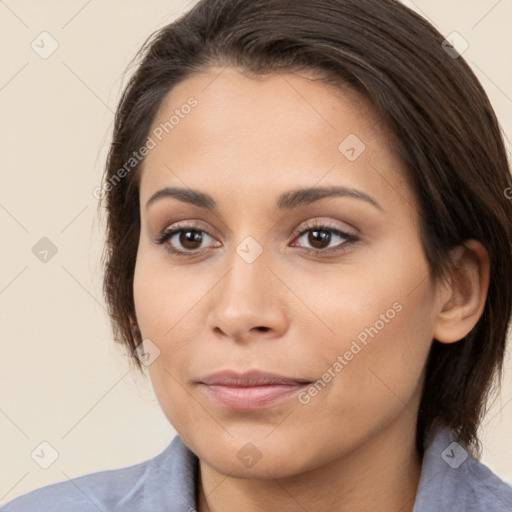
x,y
485,488
110,490
102,490
452,479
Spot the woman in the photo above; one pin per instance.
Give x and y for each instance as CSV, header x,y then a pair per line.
x,y
310,247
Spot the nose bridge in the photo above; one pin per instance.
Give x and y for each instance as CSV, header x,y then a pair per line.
x,y
247,296
244,287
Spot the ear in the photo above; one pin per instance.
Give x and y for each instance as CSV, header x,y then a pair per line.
x,y
462,301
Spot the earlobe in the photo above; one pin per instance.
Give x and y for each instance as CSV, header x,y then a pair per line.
x,y
463,299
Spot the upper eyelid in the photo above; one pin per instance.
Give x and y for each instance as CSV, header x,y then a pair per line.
x,y
304,226
312,224
186,224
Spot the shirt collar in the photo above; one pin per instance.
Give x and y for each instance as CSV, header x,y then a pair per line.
x,y
444,468
171,480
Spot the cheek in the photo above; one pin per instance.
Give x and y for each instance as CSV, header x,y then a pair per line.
x,y
164,304
383,321
162,296
144,292
380,315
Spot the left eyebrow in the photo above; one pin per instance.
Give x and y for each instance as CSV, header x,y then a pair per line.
x,y
304,196
286,201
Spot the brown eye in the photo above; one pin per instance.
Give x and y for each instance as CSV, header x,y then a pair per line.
x,y
320,238
183,240
190,239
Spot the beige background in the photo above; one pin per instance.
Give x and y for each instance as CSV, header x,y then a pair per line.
x,y
63,380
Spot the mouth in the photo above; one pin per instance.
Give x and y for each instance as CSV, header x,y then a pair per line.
x,y
249,391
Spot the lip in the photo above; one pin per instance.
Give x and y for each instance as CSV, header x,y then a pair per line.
x,y
249,378
250,391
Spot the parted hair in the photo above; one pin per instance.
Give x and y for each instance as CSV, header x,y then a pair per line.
x,y
447,134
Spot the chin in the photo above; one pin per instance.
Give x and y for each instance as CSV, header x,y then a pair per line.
x,y
263,459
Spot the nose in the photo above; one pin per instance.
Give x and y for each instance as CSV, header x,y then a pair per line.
x,y
249,302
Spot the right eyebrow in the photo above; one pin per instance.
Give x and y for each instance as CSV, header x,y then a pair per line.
x,y
186,195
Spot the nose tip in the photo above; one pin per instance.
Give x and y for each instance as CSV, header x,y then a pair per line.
x,y
247,303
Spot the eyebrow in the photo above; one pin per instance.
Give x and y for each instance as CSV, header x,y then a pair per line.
x,y
286,201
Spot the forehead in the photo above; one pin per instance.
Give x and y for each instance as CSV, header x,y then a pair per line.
x,y
273,129
230,98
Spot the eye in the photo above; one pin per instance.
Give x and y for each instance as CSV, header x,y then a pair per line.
x,y
183,239
186,240
321,236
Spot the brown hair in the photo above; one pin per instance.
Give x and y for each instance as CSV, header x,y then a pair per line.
x,y
448,136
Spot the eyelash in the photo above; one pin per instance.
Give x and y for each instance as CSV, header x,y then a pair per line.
x,y
350,239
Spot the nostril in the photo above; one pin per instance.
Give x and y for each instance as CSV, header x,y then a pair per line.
x,y
262,328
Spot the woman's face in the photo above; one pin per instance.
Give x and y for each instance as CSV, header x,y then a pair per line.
x,y
328,289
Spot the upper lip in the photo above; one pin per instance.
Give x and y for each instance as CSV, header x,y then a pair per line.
x,y
249,378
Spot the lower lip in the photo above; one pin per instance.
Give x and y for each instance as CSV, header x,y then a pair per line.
x,y
250,398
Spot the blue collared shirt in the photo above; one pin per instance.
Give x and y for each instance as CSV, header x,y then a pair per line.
x,y
451,480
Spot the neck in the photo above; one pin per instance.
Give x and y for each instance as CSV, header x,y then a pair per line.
x,y
382,473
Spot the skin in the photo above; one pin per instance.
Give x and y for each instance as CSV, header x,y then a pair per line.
x,y
249,140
